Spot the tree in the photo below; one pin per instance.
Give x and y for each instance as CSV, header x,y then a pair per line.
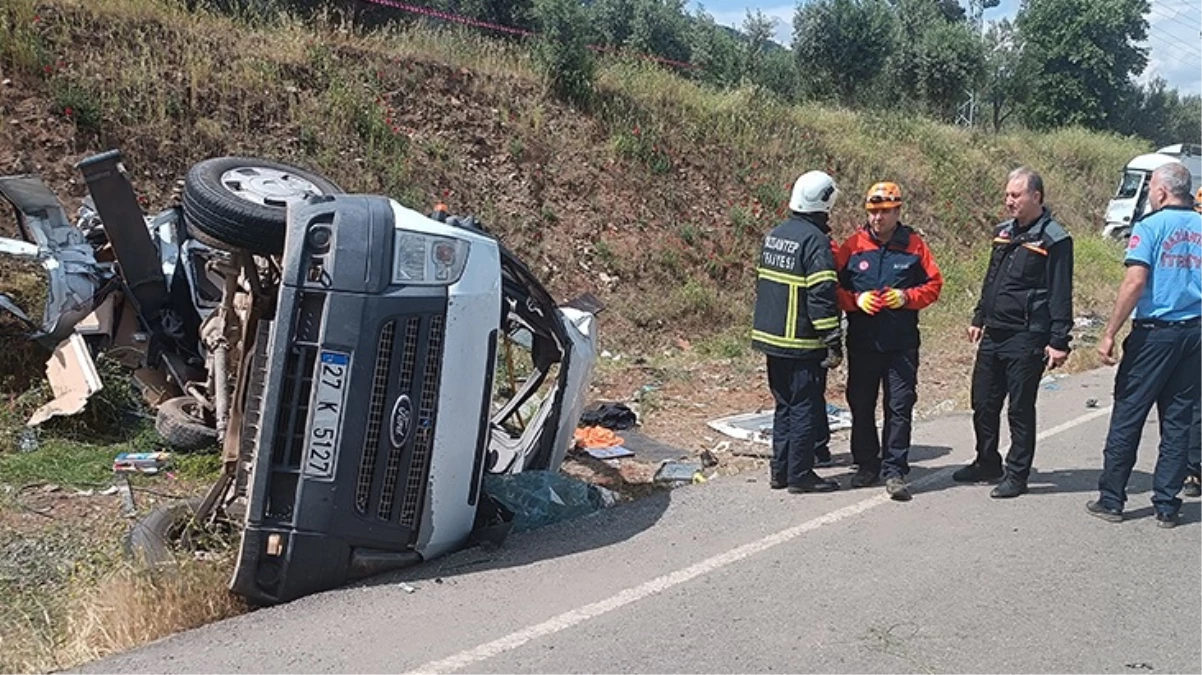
x,y
1081,55
842,45
658,27
714,51
778,74
611,20
952,10
1185,120
950,63
938,57
562,49
758,30
1005,82
1142,110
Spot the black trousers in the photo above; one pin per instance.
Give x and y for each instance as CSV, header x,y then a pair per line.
x,y
1160,366
896,374
822,442
797,387
1009,365
1195,442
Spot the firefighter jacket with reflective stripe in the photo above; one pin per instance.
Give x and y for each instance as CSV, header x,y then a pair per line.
x,y
796,314
865,264
1029,284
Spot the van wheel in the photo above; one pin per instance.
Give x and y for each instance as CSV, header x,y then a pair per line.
x,y
241,203
149,541
180,422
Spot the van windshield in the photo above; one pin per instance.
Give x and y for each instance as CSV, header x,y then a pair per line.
x,y
1129,185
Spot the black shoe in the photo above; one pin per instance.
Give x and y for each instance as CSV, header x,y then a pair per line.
x,y
777,484
1011,487
823,457
812,482
897,489
1107,514
975,473
1166,520
865,478
1192,487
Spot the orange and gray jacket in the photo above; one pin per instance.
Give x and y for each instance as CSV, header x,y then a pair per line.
x,y
1029,284
796,315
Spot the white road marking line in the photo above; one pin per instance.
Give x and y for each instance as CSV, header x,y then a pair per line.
x,y
659,584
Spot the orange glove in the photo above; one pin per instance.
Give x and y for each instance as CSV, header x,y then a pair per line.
x,y
869,302
893,298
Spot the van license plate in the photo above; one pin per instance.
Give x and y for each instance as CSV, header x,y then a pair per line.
x,y
329,399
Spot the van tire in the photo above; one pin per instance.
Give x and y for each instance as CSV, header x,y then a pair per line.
x,y
227,213
180,423
149,540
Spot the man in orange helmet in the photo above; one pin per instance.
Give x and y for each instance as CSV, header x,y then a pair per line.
x,y
886,274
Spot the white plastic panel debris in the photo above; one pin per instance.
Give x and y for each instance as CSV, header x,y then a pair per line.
x,y
73,379
756,427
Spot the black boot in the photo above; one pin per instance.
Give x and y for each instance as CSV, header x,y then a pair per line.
x,y
812,482
865,478
975,473
1008,488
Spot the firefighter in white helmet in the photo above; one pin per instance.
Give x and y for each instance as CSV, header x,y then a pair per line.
x,y
797,326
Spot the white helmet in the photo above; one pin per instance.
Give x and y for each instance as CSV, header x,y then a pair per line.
x,y
814,192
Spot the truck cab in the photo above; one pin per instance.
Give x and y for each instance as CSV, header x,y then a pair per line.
x,y
1130,201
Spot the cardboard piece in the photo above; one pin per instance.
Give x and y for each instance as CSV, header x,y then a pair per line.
x,y
101,320
73,379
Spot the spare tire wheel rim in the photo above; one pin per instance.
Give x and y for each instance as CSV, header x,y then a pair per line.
x,y
267,186
191,409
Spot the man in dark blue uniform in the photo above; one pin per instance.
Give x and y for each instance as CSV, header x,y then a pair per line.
x,y
1162,355
796,326
1022,323
886,275
1193,477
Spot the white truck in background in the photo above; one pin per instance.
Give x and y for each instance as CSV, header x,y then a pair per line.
x,y
1130,202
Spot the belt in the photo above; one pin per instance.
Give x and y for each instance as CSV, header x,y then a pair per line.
x,y
1160,323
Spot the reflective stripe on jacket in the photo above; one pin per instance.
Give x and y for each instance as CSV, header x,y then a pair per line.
x,y
795,309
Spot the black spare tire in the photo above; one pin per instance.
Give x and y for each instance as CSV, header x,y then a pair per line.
x,y
180,422
241,203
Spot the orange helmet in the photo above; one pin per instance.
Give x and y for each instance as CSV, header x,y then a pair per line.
x,y
883,196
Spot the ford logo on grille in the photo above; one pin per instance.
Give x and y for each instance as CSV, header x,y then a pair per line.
x,y
401,422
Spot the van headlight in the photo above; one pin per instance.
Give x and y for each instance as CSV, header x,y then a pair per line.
x,y
423,259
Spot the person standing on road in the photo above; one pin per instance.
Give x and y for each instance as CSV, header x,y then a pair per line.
x,y
822,444
1162,355
1021,325
796,326
886,275
1193,476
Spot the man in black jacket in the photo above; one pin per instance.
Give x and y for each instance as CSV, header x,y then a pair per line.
x,y
1022,323
797,326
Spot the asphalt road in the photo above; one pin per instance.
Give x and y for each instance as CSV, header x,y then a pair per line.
x,y
731,577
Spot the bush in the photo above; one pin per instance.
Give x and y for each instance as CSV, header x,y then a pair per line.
x,y
562,49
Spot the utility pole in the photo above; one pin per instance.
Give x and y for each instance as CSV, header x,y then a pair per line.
x,y
966,114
